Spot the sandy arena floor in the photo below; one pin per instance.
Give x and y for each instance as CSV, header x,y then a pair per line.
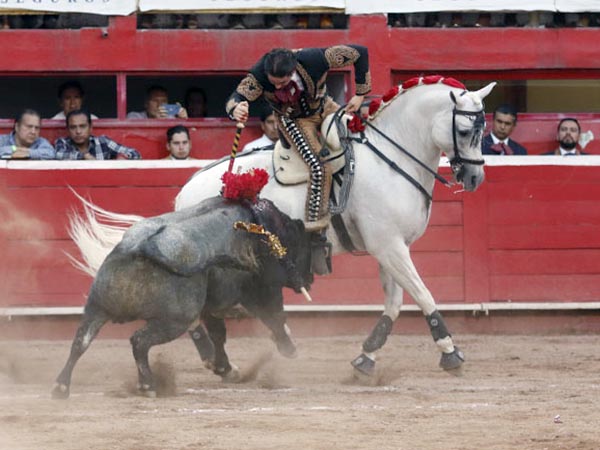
x,y
516,392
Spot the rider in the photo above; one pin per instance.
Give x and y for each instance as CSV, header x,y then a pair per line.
x,y
293,83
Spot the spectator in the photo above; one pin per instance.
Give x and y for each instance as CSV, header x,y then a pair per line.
x,y
498,141
81,144
156,97
70,98
567,135
268,123
25,141
179,144
195,102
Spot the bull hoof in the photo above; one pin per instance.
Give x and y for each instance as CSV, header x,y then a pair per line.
x,y
147,390
232,376
287,348
451,362
60,391
364,365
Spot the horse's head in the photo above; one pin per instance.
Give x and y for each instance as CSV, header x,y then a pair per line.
x,y
468,124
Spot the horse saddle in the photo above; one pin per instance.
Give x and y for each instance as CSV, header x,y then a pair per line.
x,y
290,168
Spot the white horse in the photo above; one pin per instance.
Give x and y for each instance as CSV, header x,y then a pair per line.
x,y
389,205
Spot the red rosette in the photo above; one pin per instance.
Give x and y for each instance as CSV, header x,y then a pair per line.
x,y
374,106
390,94
247,185
356,124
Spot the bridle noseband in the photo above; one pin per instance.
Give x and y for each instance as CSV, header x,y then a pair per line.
x,y
457,162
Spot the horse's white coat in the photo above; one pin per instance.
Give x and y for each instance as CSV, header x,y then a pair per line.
x,y
385,213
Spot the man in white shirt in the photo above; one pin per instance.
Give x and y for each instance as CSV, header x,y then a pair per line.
x,y
70,98
268,123
567,135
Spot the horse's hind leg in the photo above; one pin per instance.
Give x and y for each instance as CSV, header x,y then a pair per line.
x,y
155,332
88,329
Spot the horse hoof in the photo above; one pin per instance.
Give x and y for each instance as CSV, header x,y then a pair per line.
x,y
364,365
452,361
60,391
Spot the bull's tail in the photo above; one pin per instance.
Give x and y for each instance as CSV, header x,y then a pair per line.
x,y
96,232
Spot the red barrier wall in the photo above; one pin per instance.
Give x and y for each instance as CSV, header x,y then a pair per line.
x,y
529,234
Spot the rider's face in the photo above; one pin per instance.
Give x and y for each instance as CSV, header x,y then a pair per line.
x,y
279,82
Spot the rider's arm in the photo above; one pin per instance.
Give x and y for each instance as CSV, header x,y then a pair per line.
x,y
352,54
247,91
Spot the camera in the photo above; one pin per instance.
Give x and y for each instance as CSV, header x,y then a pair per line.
x,y
172,109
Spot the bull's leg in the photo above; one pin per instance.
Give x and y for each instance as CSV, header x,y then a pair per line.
x,y
155,332
218,335
365,362
399,265
203,344
87,331
270,312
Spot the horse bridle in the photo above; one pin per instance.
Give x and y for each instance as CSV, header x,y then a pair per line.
x,y
457,162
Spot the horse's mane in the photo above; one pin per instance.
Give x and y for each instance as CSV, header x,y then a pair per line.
x,y
377,105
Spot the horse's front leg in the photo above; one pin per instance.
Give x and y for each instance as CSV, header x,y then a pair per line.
x,y
397,271
398,263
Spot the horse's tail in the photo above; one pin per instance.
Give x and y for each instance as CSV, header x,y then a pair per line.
x,y
96,232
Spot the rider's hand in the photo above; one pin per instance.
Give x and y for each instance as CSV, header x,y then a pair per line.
x,y
240,112
354,103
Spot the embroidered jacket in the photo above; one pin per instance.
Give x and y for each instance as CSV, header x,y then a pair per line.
x,y
312,67
100,147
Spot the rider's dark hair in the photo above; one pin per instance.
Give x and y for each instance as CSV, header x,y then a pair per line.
x,y
506,109
177,129
569,119
280,62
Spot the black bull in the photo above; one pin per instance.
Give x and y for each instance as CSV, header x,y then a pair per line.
x,y
172,269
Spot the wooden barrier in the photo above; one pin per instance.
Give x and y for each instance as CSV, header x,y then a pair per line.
x,y
529,234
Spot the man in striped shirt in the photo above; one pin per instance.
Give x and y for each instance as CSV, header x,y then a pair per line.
x,y
81,144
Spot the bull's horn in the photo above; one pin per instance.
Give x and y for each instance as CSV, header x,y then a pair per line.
x,y
306,294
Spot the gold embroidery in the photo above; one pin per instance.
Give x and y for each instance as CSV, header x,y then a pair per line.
x,y
307,80
341,56
250,88
362,89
